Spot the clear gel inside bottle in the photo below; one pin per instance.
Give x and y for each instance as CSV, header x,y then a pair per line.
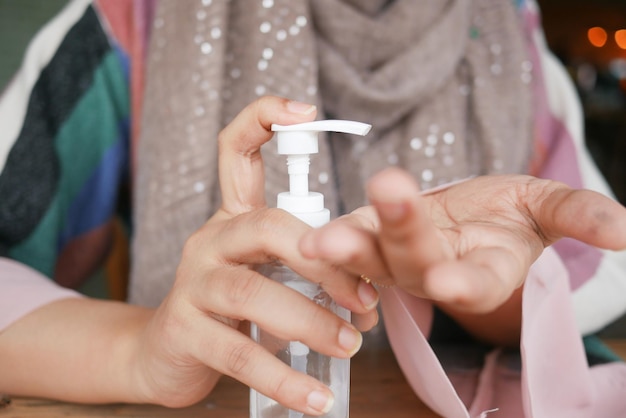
x,y
333,372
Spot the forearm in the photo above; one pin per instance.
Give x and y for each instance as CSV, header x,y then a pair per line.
x,y
80,350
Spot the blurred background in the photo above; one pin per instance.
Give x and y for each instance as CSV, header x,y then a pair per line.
x,y
588,37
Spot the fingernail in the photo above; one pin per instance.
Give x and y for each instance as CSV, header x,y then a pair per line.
x,y
301,108
350,340
367,294
320,401
392,212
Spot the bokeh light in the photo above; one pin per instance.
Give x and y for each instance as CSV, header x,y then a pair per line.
x,y
620,38
597,36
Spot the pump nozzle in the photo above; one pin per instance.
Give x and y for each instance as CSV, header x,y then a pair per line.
x,y
297,142
301,138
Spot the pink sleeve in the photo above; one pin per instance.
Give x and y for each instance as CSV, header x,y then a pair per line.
x,y
22,290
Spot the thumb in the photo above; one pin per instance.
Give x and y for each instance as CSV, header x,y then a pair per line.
x,y
242,179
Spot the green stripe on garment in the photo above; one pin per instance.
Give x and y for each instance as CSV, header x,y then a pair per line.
x,y
595,347
90,130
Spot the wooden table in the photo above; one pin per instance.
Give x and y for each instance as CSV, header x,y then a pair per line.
x,y
378,390
377,383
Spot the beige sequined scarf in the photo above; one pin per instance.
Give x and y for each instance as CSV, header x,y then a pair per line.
x,y
444,84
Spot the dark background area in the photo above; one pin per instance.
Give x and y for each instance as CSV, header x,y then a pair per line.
x,y
19,21
599,74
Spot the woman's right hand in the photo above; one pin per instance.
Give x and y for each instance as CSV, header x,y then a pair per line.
x,y
199,331
100,351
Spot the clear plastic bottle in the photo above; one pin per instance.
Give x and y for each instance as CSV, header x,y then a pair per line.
x,y
298,142
333,372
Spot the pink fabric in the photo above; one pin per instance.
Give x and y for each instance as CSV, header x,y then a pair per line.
x,y
555,380
407,320
24,290
555,155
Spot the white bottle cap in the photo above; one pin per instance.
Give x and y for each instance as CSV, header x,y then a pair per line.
x,y
298,142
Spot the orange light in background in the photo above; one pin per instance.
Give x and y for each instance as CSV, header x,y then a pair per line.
x,y
597,36
620,38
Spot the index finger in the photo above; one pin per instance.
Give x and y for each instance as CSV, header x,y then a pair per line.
x,y
350,241
240,165
409,240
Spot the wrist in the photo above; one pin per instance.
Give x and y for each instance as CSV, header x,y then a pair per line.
x,y
128,347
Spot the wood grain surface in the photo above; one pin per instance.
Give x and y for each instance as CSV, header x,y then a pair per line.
x,y
378,390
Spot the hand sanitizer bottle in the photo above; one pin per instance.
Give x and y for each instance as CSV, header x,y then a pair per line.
x,y
298,142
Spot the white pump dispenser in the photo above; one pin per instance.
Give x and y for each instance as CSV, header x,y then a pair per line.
x,y
298,142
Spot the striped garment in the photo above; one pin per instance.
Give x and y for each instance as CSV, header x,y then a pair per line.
x,y
65,145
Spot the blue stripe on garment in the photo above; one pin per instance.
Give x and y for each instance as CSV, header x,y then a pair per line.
x,y
95,202
88,211
124,60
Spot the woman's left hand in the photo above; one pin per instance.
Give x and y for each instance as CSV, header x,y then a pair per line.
x,y
467,247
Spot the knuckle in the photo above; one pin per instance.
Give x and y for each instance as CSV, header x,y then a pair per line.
x,y
263,102
279,385
334,273
269,223
193,242
367,217
266,221
238,358
320,322
193,256
321,317
243,290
